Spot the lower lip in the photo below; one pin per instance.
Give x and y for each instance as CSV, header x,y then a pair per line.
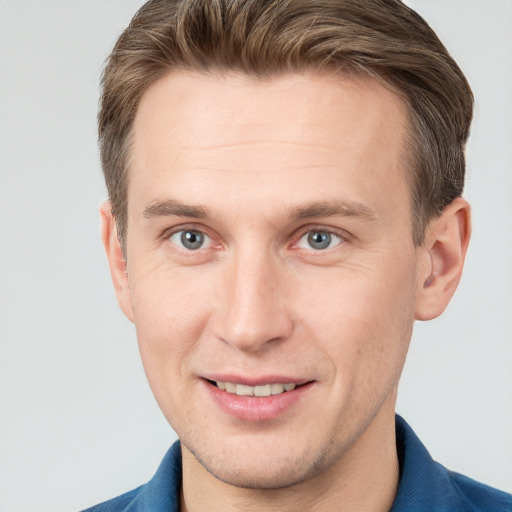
x,y
256,408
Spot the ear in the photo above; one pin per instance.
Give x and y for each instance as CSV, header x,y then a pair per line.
x,y
116,260
444,251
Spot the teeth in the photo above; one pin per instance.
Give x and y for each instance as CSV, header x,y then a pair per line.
x,y
265,390
277,389
243,390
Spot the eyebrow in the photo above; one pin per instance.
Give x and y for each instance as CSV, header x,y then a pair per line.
x,y
317,209
171,207
333,209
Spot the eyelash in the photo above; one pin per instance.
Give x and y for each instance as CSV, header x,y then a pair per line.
x,y
166,236
297,237
341,235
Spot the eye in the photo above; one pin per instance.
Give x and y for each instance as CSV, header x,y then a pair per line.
x,y
190,239
319,240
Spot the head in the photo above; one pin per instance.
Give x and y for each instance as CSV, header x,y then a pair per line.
x,y
284,182
382,39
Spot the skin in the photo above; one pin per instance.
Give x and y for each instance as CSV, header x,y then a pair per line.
x,y
256,300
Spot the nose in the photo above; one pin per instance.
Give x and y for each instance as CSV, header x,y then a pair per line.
x,y
253,312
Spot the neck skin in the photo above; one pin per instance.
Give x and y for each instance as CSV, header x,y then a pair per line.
x,y
365,479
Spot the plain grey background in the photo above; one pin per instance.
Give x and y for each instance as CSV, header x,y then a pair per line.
x,y
78,423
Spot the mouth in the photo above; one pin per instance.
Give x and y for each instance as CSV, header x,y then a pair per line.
x,y
260,400
264,390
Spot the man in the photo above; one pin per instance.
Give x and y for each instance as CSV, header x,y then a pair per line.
x,y
285,183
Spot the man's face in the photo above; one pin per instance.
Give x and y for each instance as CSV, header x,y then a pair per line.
x,y
270,243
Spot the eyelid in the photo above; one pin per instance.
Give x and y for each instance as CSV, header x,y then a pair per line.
x,y
333,242
175,239
169,232
216,243
304,230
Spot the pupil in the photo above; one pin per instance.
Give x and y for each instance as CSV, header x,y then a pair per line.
x,y
192,239
318,240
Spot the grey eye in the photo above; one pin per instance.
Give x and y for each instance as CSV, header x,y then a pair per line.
x,y
319,240
190,239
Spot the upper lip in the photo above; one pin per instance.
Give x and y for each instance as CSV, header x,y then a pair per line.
x,y
260,380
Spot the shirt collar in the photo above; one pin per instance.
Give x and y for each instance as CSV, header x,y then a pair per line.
x,y
424,484
163,492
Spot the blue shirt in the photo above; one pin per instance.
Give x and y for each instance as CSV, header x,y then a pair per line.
x,y
425,485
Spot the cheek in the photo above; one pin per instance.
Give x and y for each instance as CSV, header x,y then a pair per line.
x,y
169,320
363,319
170,315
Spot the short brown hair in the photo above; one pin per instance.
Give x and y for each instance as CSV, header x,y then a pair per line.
x,y
381,38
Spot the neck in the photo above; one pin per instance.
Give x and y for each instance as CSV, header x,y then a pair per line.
x,y
364,478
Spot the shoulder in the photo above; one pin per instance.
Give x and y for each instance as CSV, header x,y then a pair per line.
x,y
122,503
426,485
480,497
160,494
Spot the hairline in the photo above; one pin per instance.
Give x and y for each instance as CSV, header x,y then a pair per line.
x,y
409,148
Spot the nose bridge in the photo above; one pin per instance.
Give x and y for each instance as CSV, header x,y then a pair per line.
x,y
254,310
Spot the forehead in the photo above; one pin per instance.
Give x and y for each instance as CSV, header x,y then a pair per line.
x,y
187,105
247,131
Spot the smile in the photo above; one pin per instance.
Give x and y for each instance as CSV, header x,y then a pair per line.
x,y
265,398
258,391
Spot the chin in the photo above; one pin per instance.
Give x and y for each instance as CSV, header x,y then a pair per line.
x,y
266,472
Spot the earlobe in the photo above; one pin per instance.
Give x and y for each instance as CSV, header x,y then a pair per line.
x,y
116,259
444,250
